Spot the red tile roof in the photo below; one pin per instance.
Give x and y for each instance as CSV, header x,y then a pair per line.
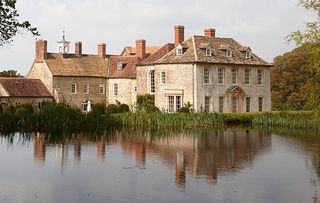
x,y
24,87
129,67
158,54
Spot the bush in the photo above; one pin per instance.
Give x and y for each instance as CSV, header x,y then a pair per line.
x,y
122,108
99,108
9,110
184,110
112,108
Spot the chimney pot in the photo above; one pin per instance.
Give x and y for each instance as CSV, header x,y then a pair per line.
x,y
141,48
209,32
102,50
178,34
41,51
78,49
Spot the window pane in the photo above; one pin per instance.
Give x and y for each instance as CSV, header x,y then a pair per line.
x,y
163,77
178,103
221,101
152,82
171,103
234,103
247,76
220,75
234,76
260,77
73,89
260,103
115,89
248,104
207,104
206,75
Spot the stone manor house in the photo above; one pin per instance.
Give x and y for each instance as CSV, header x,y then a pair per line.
x,y
214,74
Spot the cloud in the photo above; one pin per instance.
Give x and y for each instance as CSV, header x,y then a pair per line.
x,y
260,24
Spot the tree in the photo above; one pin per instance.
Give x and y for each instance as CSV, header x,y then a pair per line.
x,y
9,24
9,73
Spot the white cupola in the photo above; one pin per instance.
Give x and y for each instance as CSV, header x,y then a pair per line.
x,y
63,45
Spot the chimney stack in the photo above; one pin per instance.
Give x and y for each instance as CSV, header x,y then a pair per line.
x,y
209,33
141,48
41,51
102,50
78,49
178,34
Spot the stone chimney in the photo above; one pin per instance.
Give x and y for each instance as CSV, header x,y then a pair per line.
x,y
141,48
78,49
102,50
209,32
178,34
41,51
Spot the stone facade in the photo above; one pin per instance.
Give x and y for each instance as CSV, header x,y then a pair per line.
x,y
186,81
125,93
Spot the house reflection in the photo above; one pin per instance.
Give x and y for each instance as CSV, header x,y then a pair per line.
x,y
202,155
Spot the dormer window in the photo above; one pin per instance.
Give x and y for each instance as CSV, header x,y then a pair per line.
x,y
229,53
120,66
208,52
248,54
179,50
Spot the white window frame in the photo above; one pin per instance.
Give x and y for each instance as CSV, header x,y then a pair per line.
x,y
208,52
176,106
229,53
101,86
222,71
86,89
163,77
247,78
179,51
236,76
260,76
206,77
234,106
119,66
74,88
150,85
248,55
115,89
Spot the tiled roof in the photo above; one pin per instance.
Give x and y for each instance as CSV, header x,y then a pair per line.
x,y
194,51
158,54
131,51
129,66
24,87
86,65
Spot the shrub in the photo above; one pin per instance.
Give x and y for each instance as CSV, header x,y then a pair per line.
x,y
112,108
99,108
184,110
28,107
9,110
122,108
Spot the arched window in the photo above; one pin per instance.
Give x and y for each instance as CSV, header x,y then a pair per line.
x,y
152,87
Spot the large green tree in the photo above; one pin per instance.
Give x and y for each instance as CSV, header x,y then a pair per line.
x,y
10,25
9,73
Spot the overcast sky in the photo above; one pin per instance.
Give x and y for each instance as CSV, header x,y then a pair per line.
x,y
260,24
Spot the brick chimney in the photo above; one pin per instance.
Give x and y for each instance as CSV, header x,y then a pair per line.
x,y
141,48
102,50
209,32
78,49
41,51
178,34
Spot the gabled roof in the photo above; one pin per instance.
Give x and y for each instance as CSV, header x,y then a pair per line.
x,y
86,65
194,52
24,87
131,51
158,54
129,68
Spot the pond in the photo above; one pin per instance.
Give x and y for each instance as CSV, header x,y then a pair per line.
x,y
212,165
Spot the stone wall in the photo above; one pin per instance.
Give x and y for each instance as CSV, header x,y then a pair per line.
x,y
62,87
41,71
126,91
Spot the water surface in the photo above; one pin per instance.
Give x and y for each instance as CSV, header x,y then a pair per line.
x,y
216,165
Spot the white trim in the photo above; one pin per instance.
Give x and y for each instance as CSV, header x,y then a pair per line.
x,y
75,88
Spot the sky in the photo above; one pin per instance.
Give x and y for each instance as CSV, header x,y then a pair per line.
x,y
260,24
